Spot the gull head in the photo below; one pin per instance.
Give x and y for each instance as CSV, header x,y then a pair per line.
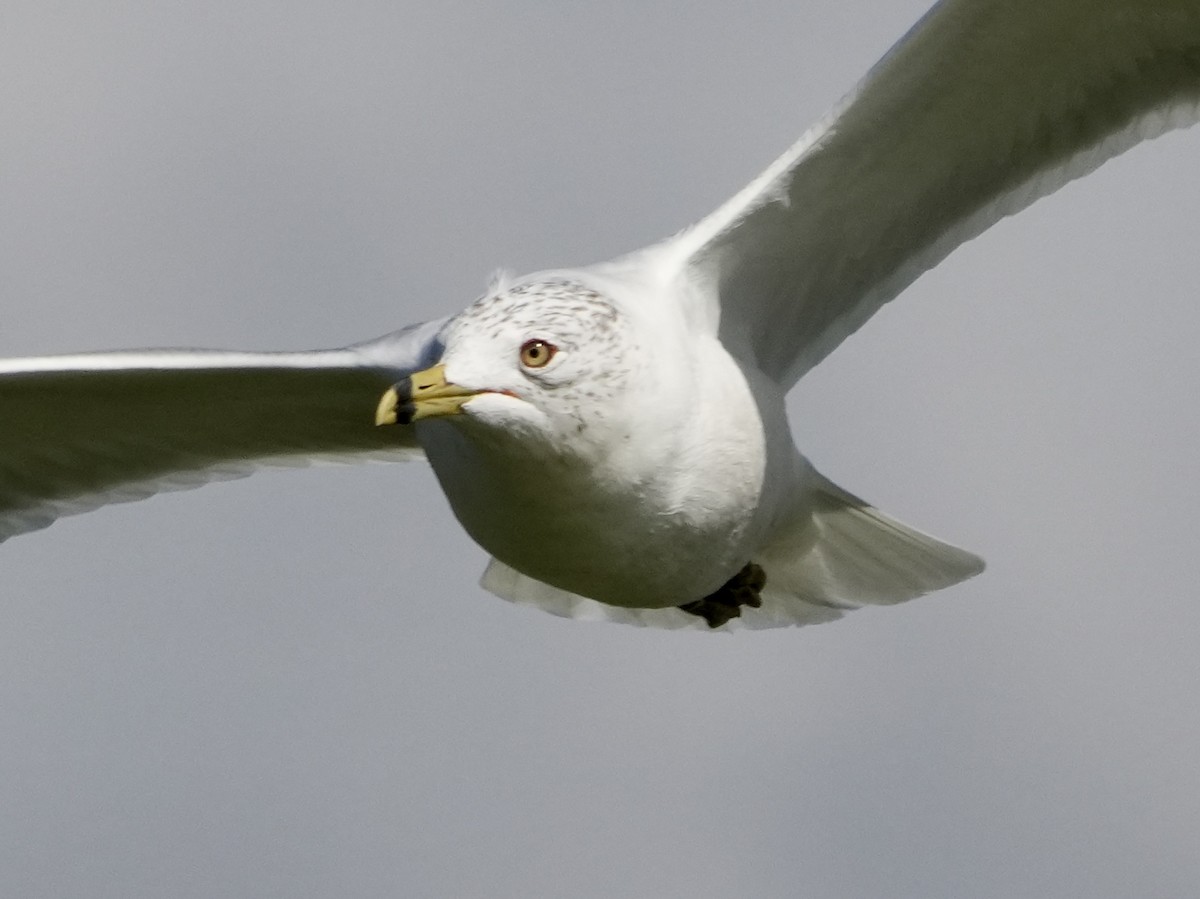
x,y
544,366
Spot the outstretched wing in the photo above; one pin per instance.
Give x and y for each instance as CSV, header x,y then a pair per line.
x,y
985,106
77,432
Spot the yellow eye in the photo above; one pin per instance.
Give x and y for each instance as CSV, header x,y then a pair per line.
x,y
537,353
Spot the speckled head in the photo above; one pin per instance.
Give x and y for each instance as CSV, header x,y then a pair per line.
x,y
536,361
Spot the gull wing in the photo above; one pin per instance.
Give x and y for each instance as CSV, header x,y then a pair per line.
x,y
982,108
77,432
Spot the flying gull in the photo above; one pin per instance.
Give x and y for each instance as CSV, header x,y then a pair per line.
x,y
615,436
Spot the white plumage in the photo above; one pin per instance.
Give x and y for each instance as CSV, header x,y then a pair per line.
x,y
981,109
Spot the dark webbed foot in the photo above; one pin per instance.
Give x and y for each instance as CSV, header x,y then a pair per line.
x,y
740,590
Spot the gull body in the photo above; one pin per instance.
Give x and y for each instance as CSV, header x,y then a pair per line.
x,y
639,459
637,477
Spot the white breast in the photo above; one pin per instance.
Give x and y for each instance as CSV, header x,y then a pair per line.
x,y
661,515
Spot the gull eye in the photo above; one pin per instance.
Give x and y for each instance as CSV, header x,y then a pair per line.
x,y
537,353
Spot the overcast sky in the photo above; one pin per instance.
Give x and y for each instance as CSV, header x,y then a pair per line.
x,y
292,686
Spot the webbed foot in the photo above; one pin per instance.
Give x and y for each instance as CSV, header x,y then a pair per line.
x,y
726,603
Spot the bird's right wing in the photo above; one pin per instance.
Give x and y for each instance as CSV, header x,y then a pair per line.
x,y
77,432
985,106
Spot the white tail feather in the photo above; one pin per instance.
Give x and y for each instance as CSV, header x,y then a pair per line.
x,y
844,554
839,554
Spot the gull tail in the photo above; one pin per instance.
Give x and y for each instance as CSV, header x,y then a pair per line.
x,y
842,553
838,554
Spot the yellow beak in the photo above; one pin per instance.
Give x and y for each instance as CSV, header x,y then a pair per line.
x,y
425,394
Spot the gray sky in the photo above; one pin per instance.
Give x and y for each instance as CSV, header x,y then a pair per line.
x,y
293,686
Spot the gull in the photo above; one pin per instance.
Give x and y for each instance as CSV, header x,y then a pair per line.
x,y
615,436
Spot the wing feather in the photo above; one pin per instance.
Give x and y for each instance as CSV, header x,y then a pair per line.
x,y
985,106
77,432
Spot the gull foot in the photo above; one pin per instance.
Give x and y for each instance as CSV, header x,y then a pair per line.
x,y
740,590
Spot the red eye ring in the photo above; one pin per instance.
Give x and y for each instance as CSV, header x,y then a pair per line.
x,y
537,353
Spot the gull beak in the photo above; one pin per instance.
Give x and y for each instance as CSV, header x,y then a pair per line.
x,y
424,394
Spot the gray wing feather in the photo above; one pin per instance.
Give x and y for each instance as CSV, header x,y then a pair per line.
x,y
985,106
77,432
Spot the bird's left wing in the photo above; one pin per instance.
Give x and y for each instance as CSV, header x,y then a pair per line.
x,y
77,432
985,106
